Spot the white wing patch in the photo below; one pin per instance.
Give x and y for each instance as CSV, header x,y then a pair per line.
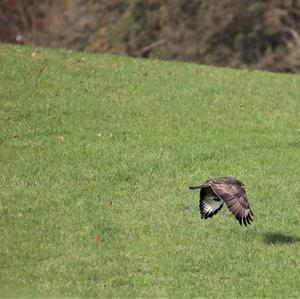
x,y
209,205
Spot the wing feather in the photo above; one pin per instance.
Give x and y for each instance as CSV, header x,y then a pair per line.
x,y
209,203
235,198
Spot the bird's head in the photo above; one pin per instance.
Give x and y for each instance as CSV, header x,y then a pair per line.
x,y
195,187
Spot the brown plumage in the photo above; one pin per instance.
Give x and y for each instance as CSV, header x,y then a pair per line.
x,y
228,190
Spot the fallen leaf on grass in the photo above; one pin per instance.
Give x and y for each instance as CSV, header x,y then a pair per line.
x,y
226,279
116,102
82,60
120,93
15,137
98,238
72,69
42,69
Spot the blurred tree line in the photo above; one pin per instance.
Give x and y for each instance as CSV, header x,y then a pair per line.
x,y
237,33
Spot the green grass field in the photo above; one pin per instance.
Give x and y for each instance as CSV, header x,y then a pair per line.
x,y
96,156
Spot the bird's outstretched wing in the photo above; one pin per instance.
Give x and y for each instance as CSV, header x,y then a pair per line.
x,y
209,203
235,198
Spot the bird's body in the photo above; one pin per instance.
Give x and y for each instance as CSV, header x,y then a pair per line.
x,y
215,192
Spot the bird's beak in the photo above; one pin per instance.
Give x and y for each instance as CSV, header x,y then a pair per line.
x,y
195,187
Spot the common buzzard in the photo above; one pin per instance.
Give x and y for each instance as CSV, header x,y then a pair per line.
x,y
215,192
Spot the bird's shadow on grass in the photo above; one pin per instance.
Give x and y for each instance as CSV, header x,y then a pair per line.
x,y
279,238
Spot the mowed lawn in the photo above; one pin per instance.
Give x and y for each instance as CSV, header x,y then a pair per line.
x,y
96,156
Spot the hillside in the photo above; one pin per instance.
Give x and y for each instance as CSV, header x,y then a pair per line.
x,y
241,34
97,153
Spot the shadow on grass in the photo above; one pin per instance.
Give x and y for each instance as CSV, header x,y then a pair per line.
x,y
279,238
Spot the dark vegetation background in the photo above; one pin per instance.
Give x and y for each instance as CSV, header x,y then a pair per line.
x,y
236,33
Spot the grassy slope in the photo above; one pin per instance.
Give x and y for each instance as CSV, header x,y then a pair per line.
x,y
97,153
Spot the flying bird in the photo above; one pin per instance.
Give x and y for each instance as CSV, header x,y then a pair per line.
x,y
215,192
